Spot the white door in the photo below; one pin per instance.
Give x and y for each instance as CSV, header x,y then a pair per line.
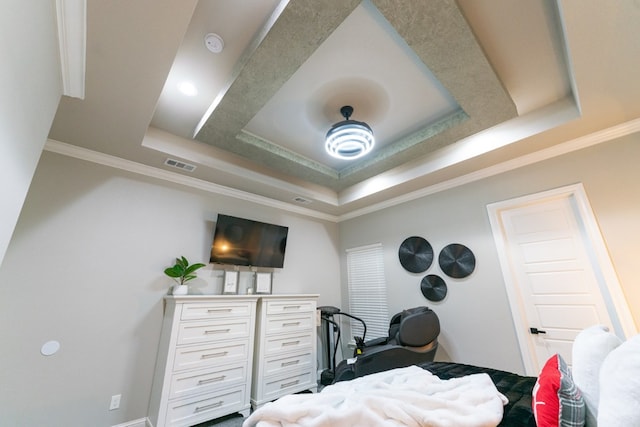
x,y
557,275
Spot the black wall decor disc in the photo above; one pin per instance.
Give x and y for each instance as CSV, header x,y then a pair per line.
x,y
416,254
457,261
433,287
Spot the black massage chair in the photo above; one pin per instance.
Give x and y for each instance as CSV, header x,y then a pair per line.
x,y
413,339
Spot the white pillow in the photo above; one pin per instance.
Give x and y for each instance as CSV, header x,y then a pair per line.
x,y
590,348
620,386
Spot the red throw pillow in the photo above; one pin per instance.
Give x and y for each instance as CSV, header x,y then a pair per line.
x,y
557,402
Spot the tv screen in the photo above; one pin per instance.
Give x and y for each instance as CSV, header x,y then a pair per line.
x,y
239,241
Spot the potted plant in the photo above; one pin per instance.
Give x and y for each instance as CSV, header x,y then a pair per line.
x,y
182,272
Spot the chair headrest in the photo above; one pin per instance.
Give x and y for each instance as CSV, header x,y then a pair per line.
x,y
418,327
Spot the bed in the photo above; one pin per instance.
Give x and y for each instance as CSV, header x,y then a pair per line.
x,y
601,386
432,393
516,388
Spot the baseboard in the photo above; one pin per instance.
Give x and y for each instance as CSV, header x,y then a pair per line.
x,y
142,422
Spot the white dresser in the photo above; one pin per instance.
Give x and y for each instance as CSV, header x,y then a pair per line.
x,y
285,350
205,359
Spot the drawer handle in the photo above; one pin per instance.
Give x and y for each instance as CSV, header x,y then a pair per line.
x,y
290,307
293,362
211,380
217,331
289,384
209,356
284,344
213,310
211,406
290,324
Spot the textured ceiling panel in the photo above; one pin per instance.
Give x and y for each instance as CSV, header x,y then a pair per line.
x,y
438,35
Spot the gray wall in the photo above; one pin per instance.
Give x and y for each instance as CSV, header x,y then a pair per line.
x,y
477,327
31,87
84,268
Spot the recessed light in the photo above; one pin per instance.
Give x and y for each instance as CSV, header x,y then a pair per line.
x,y
187,88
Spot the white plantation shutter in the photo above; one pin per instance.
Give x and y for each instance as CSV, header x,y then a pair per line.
x,y
367,291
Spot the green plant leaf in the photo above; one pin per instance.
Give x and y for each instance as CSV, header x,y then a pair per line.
x,y
193,268
189,277
174,271
183,272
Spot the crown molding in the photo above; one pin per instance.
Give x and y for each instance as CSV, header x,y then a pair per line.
x,y
72,41
604,135
161,174
214,158
285,153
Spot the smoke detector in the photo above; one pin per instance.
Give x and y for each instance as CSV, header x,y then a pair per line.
x,y
214,42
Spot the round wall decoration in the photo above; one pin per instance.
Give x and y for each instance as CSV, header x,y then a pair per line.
x,y
433,287
457,260
416,254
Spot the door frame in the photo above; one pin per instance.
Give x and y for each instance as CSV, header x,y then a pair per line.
x,y
608,283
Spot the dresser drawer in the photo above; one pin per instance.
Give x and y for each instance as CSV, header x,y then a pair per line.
x,y
277,387
302,322
275,365
200,356
187,412
216,310
288,344
291,306
213,330
205,380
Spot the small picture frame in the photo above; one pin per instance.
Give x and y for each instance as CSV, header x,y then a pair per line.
x,y
230,282
263,283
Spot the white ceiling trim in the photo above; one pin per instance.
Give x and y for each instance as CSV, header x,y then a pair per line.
x,y
483,142
241,63
279,150
421,136
72,41
586,141
567,54
196,152
605,135
153,172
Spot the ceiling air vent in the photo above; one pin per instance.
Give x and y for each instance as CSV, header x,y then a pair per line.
x,y
180,165
301,200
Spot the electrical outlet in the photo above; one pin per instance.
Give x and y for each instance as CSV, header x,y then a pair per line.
x,y
115,402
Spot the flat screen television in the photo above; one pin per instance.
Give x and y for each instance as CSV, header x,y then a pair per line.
x,y
239,241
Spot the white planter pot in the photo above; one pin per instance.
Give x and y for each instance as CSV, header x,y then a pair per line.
x,y
180,289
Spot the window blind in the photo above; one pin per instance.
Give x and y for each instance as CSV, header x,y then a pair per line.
x,y
367,291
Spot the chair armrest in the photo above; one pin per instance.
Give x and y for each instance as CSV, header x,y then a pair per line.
x,y
376,341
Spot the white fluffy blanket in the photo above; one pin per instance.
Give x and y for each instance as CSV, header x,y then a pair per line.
x,y
400,397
